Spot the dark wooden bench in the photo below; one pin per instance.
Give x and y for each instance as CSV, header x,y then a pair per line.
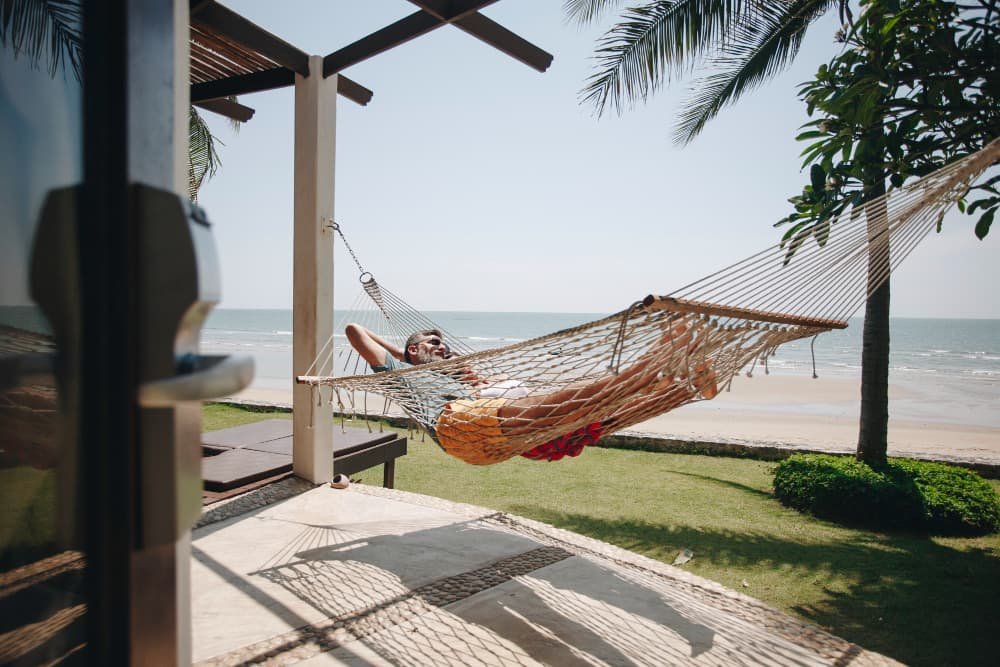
x,y
239,456
355,449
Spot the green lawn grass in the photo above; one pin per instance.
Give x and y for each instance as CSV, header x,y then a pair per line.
x,y
922,600
27,515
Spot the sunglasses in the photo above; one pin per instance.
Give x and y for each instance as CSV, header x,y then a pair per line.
x,y
433,342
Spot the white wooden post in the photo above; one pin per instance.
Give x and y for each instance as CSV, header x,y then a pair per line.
x,y
312,284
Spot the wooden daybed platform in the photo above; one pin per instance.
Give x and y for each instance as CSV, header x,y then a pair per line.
x,y
242,457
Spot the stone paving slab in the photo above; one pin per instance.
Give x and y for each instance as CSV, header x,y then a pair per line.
x,y
575,612
324,554
371,576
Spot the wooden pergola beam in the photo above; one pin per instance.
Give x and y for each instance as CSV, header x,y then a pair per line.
x,y
242,84
353,91
292,61
278,77
379,41
433,14
464,14
227,108
490,32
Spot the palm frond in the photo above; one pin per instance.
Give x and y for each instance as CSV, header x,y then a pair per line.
x,y
585,12
37,28
657,41
752,53
234,124
203,160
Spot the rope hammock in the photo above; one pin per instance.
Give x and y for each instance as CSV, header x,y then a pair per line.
x,y
549,396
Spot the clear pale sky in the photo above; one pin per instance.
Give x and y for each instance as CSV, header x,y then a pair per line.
x,y
472,182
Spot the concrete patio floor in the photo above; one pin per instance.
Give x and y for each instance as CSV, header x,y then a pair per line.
x,y
371,576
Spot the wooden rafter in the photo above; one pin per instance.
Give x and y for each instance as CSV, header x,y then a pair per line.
x,y
491,32
227,108
433,14
232,56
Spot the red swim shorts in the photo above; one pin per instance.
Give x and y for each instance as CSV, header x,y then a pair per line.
x,y
570,444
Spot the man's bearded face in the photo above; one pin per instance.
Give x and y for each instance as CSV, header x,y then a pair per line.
x,y
428,350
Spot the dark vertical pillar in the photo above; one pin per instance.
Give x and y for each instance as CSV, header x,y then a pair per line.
x,y
108,364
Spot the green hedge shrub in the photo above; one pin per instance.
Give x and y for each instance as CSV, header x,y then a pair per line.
x,y
906,494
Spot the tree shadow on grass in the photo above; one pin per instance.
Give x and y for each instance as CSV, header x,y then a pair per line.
x,y
905,596
725,482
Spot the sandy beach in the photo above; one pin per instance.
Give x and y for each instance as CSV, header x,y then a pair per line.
x,y
823,413
799,411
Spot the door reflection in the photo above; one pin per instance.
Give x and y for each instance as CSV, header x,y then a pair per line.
x,y
42,605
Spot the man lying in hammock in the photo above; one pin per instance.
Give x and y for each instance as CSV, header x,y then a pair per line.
x,y
481,429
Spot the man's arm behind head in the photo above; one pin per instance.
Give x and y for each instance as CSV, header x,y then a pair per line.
x,y
372,347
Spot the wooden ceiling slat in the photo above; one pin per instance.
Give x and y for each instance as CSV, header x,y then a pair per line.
x,y
218,51
217,65
203,74
210,41
234,49
239,56
224,21
207,65
210,69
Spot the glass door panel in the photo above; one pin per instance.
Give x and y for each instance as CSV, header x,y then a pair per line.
x,y
42,604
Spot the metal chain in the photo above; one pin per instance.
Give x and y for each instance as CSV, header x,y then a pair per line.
x,y
336,227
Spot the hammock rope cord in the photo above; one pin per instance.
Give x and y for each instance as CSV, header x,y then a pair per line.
x,y
659,353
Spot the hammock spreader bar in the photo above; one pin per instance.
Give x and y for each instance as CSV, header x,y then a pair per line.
x,y
677,305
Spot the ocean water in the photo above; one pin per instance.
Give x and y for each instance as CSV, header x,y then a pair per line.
x,y
949,368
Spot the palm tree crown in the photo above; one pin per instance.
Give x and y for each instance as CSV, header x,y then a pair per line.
x,y
50,31
33,28
742,43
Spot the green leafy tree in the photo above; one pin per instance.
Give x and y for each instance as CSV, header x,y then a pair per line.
x,y
916,87
49,31
742,43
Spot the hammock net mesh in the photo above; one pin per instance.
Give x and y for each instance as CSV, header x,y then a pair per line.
x,y
658,354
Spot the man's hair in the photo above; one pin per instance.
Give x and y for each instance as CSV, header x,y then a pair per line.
x,y
415,338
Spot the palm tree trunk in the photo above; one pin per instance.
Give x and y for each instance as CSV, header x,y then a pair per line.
x,y
873,437
874,423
